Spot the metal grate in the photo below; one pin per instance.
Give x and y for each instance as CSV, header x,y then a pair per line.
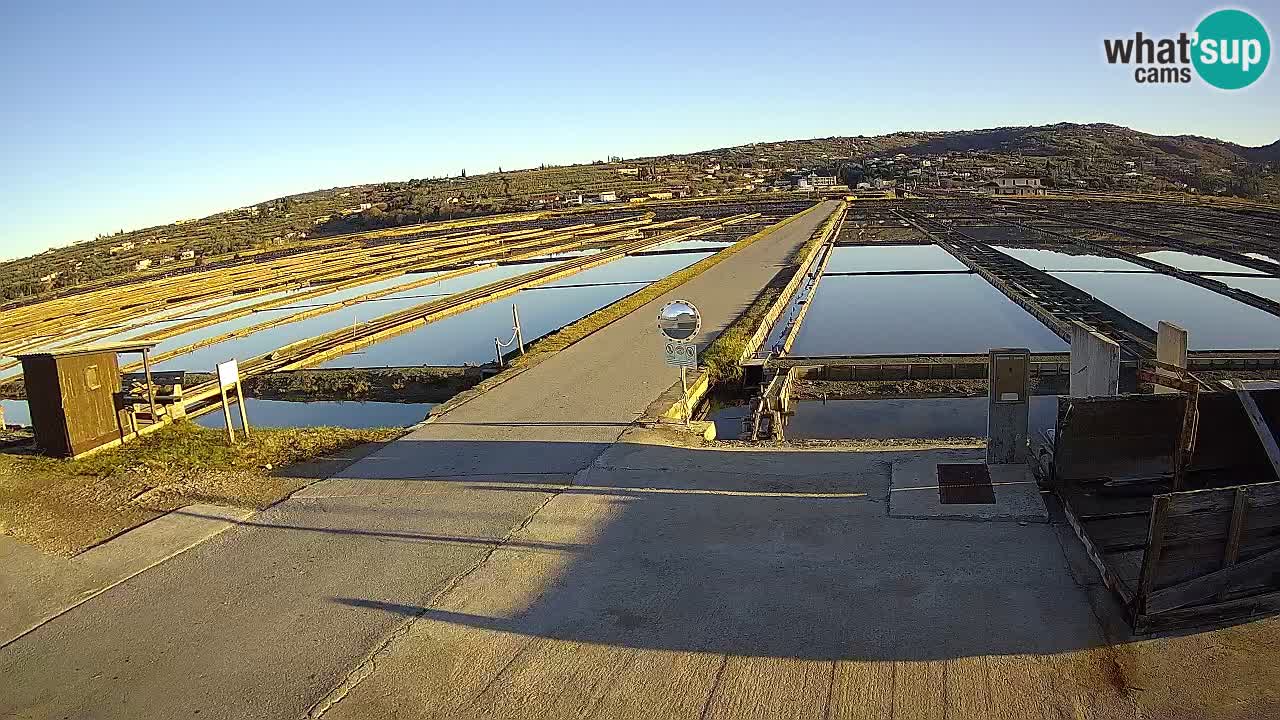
x,y
965,484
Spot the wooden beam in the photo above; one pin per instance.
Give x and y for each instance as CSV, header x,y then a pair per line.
x,y
1260,426
1155,546
1236,530
1208,586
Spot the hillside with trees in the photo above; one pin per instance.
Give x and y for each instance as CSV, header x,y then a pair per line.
x,y
1096,157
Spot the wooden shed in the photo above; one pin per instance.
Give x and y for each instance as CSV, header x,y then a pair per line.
x,y
73,394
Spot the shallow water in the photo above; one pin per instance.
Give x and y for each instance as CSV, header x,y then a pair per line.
x,y
16,412
1214,321
1057,260
1198,263
889,314
922,418
691,244
891,258
1263,287
277,336
468,337
334,413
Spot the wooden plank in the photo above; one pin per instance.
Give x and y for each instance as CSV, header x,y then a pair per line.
x,y
1260,426
1223,499
1235,532
1200,615
1155,545
1207,586
1237,527
1109,578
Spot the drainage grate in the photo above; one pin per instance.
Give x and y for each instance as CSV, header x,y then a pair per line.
x,y
965,484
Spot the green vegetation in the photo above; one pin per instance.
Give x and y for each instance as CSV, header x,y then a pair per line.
x,y
576,331
723,356
64,506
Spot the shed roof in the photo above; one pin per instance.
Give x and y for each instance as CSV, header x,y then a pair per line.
x,y
118,347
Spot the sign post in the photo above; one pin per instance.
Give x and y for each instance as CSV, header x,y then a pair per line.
x,y
229,379
679,322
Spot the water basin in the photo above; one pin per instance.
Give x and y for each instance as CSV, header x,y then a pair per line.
x,y
328,413
911,314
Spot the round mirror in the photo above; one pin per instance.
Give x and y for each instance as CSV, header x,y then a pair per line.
x,y
679,320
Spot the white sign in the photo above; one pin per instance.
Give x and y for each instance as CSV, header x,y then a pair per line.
x,y
679,320
228,374
681,354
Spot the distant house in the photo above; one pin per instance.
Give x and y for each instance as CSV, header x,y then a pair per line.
x,y
629,171
608,197
187,255
823,181
667,195
1015,186
142,264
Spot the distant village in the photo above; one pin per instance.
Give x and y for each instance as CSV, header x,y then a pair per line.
x,y
852,167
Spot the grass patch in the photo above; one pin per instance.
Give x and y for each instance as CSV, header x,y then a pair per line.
x,y
722,358
64,506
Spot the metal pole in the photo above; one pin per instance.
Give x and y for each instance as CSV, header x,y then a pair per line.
x,y
226,414
684,399
151,387
515,317
244,414
497,349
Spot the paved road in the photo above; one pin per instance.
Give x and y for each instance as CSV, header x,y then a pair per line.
x,y
267,618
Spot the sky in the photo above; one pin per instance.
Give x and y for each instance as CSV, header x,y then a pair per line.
x,y
123,115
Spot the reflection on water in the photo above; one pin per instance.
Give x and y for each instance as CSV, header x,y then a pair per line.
x,y
265,341
1214,321
16,412
923,418
729,421
337,413
468,337
885,314
691,244
1264,287
1197,263
1057,260
891,258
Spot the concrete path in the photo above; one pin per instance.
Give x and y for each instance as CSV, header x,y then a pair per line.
x,y
35,587
266,619
747,584
561,414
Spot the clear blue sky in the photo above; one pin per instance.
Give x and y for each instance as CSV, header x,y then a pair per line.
x,y
122,115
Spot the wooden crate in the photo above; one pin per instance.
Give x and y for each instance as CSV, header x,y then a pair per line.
x,y
1203,555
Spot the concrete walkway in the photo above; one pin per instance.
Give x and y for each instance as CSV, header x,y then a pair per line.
x,y
266,619
748,584
35,587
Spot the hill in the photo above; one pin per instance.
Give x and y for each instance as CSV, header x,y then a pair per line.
x,y
1095,156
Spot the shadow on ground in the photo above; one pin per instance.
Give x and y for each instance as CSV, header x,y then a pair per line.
x,y
780,553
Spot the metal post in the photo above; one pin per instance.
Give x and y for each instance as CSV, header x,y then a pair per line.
x,y
226,414
151,386
244,414
497,349
684,398
515,318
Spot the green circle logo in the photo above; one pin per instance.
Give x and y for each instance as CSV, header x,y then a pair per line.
x,y
1232,49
